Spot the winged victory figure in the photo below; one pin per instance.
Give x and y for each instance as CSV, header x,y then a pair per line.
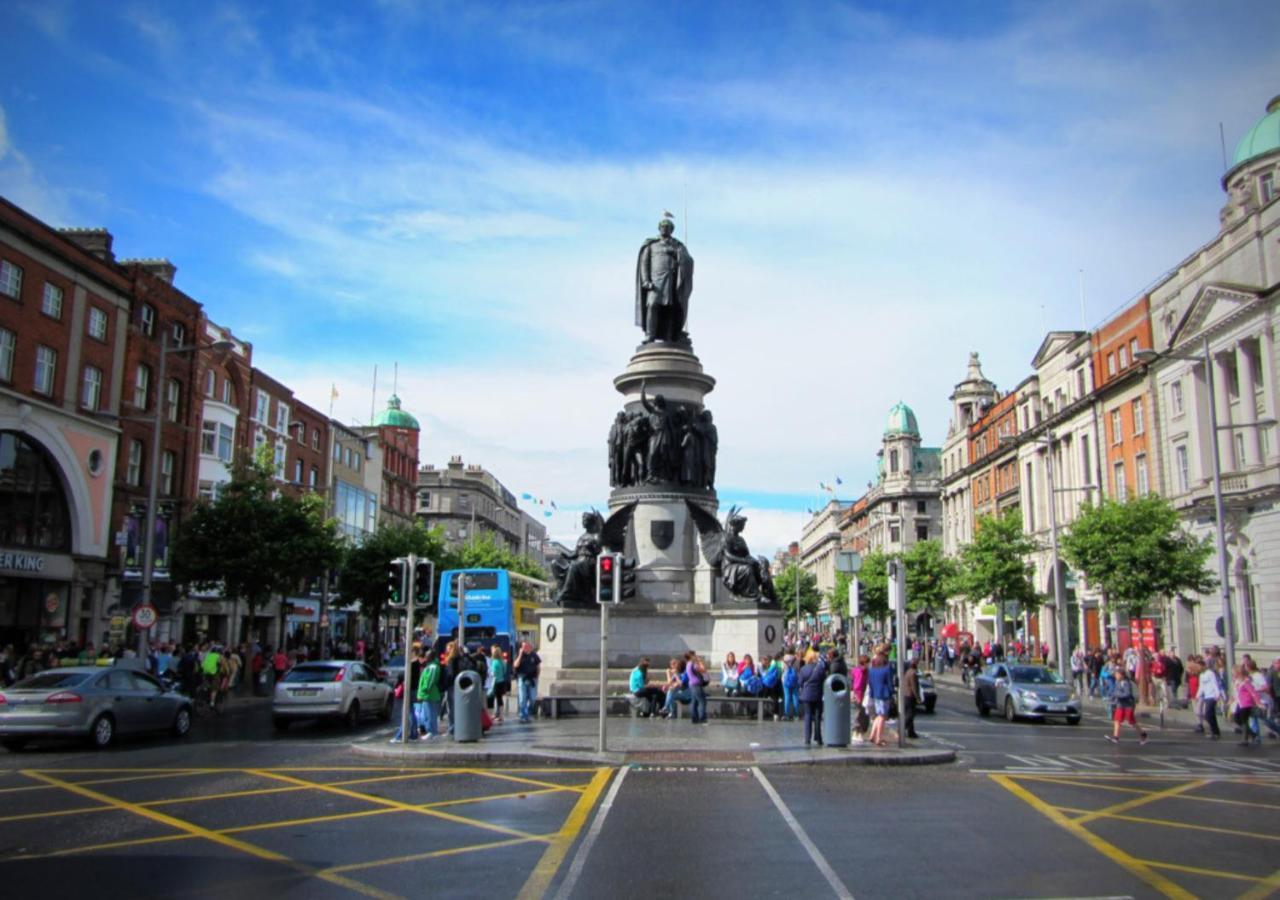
x,y
746,577
575,572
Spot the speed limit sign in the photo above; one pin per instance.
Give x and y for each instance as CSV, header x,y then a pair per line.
x,y
144,616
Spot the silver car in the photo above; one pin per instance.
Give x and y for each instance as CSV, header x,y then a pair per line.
x,y
89,703
1031,691
332,689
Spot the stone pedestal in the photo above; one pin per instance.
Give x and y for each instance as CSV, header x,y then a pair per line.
x,y
569,641
662,538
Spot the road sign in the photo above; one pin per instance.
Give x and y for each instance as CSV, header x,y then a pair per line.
x,y
144,616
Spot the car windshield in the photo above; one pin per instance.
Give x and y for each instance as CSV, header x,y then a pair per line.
x,y
1035,675
47,681
311,674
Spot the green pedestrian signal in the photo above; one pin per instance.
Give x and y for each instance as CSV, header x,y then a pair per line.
x,y
626,578
424,573
397,569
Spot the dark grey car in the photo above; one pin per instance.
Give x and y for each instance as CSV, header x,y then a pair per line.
x,y
91,703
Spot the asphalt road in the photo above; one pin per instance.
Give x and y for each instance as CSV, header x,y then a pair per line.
x,y
1028,811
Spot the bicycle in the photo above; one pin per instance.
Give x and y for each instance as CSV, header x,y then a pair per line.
x,y
203,705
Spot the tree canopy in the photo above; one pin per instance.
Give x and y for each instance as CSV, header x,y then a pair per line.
x,y
485,552
931,576
873,585
995,564
1137,552
254,540
364,575
785,587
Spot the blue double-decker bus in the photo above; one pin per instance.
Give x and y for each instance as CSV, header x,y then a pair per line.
x,y
499,607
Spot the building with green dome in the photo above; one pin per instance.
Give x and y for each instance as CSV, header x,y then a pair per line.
x,y
396,432
1251,181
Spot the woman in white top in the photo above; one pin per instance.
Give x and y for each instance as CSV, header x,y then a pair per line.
x,y
729,674
1209,692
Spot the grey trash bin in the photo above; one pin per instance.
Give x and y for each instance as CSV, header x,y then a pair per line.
x,y
465,706
836,724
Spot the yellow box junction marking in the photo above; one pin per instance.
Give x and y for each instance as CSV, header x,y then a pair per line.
x,y
535,887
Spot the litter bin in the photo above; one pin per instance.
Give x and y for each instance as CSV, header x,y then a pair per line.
x,y
465,706
835,711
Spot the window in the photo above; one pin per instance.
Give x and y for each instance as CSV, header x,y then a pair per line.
x,y
1239,450
7,343
1124,357
51,301
1139,425
179,334
262,406
91,387
166,472
893,460
922,507
210,383
1180,467
282,417
10,279
1267,187
1122,492
922,532
338,450
1031,498
297,471
147,319
1249,627
893,507
1085,464
279,460
133,475
173,394
424,499
141,386
1111,364
97,324
228,395
1117,427
225,436
1081,388
209,439
895,534
1175,398
356,461
1133,349
315,477
315,439
1233,378
46,367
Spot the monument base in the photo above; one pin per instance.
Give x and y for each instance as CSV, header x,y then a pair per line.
x,y
570,639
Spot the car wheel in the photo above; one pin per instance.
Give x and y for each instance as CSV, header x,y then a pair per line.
x,y
1073,720
14,745
930,703
281,724
182,722
983,710
388,709
103,732
352,718
1008,710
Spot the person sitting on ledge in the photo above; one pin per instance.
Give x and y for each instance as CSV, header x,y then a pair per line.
x,y
676,689
729,674
643,691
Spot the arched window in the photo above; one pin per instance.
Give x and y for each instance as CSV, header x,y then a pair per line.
x,y
33,507
893,460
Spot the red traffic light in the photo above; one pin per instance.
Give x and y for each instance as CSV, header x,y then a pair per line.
x,y
606,564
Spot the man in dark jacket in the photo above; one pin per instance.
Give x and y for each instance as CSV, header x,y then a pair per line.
x,y
812,674
910,698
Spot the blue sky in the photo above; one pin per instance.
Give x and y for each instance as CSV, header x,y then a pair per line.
x,y
460,189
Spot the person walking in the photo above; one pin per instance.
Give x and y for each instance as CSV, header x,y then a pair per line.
x,y
911,697
527,667
858,697
499,683
812,674
1246,706
429,696
1126,700
880,684
1208,693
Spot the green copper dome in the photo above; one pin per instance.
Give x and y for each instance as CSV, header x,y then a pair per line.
x,y
1262,138
395,417
902,421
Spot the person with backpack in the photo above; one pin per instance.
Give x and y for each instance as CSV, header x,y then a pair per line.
x,y
749,682
429,695
771,683
812,674
791,689
1126,700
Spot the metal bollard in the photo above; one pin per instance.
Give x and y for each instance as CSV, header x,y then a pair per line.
x,y
836,723
465,706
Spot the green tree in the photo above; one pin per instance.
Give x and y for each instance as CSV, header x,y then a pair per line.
x,y
254,541
364,574
785,587
484,552
839,599
873,585
995,567
1137,552
931,577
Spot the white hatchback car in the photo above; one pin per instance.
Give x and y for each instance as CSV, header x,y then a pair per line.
x,y
330,689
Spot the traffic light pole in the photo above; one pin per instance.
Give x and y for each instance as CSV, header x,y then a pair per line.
x,y
898,599
406,702
602,740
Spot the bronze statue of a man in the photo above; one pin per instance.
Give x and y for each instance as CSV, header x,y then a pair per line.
x,y
664,281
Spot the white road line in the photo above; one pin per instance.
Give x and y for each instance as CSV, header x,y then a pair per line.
x,y
814,853
580,858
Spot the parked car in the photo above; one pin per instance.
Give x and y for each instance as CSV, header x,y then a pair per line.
x,y
332,689
87,702
1034,692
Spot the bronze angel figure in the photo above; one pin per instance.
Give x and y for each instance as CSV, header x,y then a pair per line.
x,y
575,572
743,575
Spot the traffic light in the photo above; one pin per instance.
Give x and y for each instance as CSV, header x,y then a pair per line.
x,y
423,575
626,578
397,569
606,575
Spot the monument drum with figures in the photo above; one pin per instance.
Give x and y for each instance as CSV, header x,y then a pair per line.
x,y
697,585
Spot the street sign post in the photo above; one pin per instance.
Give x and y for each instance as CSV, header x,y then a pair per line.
x,y
608,592
144,616
855,614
